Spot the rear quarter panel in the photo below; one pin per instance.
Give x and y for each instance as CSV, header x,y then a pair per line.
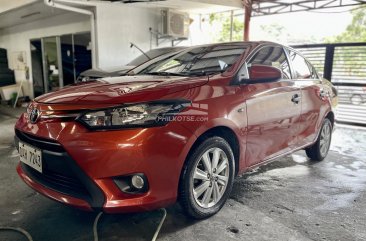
x,y
314,109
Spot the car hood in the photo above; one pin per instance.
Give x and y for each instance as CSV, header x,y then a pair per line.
x,y
124,89
111,72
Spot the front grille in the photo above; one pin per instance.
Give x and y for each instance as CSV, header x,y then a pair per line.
x,y
59,171
56,172
58,182
41,143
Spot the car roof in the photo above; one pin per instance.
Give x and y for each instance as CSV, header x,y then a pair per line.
x,y
239,42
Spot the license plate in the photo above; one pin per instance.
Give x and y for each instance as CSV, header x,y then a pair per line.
x,y
31,156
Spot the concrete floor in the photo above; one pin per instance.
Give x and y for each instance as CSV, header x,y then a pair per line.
x,y
290,199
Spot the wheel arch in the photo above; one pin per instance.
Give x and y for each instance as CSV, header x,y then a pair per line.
x,y
331,117
224,132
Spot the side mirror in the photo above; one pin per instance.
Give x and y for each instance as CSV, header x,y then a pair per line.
x,y
262,74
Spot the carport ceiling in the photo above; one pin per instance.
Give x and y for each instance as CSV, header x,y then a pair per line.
x,y
35,10
218,2
259,7
184,5
191,6
135,1
269,7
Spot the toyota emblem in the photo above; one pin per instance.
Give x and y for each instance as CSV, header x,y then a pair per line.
x,y
33,116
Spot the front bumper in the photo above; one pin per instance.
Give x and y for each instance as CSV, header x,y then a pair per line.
x,y
60,174
79,165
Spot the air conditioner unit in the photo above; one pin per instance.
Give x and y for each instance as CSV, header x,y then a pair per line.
x,y
175,24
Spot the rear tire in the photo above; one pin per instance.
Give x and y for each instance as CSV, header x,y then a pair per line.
x,y
207,178
319,150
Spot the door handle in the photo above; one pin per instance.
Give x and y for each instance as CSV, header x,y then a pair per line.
x,y
323,93
296,98
241,110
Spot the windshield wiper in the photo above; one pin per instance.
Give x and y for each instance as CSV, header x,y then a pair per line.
x,y
166,74
202,73
185,74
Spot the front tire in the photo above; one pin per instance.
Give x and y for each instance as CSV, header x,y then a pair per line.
x,y
207,178
319,150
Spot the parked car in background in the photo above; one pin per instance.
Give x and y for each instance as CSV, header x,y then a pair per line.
x,y
92,74
358,97
350,94
178,129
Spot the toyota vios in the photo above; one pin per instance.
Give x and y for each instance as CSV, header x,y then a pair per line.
x,y
179,129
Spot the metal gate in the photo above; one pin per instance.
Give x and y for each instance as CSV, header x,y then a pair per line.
x,y
344,64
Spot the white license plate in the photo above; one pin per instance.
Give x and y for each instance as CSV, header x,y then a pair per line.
x,y
30,156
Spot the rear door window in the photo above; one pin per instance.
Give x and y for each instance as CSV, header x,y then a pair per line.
x,y
301,66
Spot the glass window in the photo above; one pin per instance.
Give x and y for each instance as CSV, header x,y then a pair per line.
x,y
52,66
153,54
37,67
314,73
300,65
198,61
67,53
273,56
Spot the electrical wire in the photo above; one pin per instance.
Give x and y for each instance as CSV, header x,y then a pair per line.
x,y
160,225
95,228
19,230
95,225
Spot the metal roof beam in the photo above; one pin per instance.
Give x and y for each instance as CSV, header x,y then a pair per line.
x,y
270,7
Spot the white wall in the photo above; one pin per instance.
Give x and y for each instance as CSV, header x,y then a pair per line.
x,y
117,26
17,38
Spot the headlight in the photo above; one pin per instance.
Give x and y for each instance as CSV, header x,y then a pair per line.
x,y
133,115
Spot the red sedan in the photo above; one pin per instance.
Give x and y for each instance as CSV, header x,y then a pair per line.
x,y
180,128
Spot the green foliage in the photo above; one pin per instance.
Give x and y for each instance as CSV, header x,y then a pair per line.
x,y
352,63
355,31
223,22
274,31
214,17
238,30
277,33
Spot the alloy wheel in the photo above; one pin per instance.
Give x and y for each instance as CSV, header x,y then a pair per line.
x,y
210,177
325,137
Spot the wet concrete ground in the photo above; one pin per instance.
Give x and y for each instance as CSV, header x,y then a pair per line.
x,y
290,199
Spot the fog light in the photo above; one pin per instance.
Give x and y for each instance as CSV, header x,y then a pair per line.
x,y
134,183
137,182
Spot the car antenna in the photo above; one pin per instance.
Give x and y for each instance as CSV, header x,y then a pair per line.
x,y
134,45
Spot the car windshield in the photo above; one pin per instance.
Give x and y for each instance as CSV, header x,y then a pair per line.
x,y
152,54
198,61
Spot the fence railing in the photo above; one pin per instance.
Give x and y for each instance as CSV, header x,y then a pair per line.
x,y
344,64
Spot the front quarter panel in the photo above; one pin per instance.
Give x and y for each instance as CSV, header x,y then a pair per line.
x,y
217,104
103,155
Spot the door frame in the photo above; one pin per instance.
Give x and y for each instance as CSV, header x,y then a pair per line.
x,y
59,58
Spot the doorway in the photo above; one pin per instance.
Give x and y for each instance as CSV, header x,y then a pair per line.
x,y
57,61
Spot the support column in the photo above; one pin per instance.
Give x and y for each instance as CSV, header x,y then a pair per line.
x,y
231,24
247,16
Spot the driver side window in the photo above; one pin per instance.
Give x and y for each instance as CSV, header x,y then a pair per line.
x,y
272,56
